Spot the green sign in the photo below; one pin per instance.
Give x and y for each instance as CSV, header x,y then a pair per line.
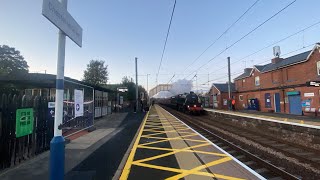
x,y
24,122
291,93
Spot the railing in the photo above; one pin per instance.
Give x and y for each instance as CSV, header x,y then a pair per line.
x,y
13,149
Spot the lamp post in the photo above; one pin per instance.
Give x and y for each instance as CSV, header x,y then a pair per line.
x,y
137,103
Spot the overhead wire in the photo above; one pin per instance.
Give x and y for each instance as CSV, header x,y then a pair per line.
x,y
247,34
165,43
272,44
222,34
171,79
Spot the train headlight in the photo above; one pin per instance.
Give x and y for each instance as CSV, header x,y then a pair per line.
x,y
194,105
188,106
201,105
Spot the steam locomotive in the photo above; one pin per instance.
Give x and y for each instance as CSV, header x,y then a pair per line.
x,y
187,102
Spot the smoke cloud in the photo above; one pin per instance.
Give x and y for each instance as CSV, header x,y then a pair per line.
x,y
181,86
163,94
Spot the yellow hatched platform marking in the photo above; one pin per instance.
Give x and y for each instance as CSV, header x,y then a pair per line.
x,y
154,125
150,130
183,171
170,139
192,171
155,129
194,140
187,150
171,153
164,132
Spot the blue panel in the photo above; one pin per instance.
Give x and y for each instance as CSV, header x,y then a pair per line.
x,y
57,157
60,84
295,105
277,102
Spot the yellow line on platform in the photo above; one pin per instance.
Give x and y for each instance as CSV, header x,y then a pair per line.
x,y
185,171
164,132
175,138
194,170
169,139
187,150
150,130
127,167
170,153
155,126
153,129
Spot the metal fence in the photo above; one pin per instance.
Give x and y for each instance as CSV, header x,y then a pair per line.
x,y
13,149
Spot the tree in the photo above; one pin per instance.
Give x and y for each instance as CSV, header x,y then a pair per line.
x,y
131,94
12,62
96,73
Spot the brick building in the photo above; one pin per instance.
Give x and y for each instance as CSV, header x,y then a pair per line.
x,y
219,95
280,86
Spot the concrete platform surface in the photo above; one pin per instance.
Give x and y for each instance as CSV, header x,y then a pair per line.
x,y
304,121
95,155
166,148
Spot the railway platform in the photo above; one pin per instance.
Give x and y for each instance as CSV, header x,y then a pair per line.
x,y
166,148
303,121
94,155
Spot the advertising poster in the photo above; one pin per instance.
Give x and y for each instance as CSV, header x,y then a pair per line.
x,y
78,103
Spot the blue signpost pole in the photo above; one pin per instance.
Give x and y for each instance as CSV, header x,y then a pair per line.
x,y
57,144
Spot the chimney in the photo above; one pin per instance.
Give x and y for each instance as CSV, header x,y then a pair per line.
x,y
276,53
276,60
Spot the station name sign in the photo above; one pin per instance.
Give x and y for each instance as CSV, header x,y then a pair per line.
x,y
60,17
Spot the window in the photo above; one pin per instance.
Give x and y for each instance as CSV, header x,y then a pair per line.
x,y
214,97
318,67
257,81
241,98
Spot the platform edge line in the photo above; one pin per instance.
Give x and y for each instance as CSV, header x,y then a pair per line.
x,y
127,167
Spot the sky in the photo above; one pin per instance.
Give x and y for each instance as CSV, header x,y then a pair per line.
x,y
117,31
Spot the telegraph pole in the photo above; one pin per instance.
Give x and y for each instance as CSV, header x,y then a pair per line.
x,y
197,83
148,89
147,83
229,76
137,103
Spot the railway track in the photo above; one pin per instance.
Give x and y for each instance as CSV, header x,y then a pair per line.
x,y
255,159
